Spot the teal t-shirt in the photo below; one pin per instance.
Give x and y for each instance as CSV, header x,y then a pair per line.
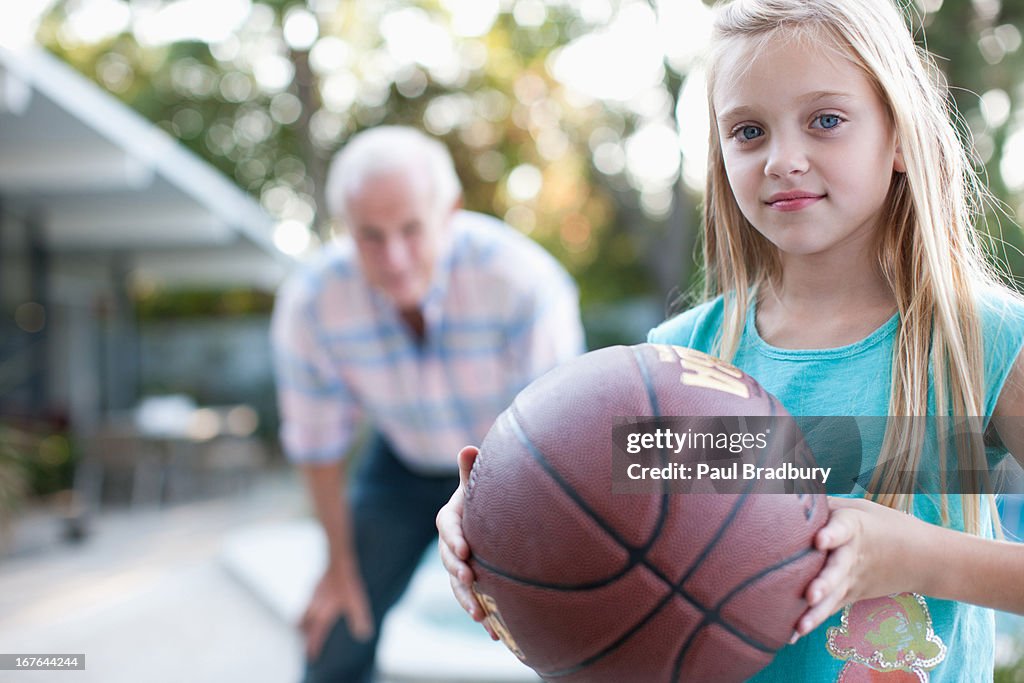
x,y
938,640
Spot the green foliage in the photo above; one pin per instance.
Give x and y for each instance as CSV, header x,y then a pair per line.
x,y
164,305
34,459
499,109
978,50
503,111
1013,673
13,473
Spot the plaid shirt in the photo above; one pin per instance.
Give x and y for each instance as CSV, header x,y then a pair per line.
x,y
500,312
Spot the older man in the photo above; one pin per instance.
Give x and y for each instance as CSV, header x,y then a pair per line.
x,y
423,322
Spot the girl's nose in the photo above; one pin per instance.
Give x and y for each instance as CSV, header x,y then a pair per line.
x,y
785,157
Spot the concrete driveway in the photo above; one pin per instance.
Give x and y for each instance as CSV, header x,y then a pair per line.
x,y
192,593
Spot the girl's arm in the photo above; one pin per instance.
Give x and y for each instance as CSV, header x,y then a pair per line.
x,y
1008,416
875,551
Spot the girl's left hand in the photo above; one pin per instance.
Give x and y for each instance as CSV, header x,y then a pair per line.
x,y
871,553
453,547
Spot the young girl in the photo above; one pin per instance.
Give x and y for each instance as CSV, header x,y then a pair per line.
x,y
843,273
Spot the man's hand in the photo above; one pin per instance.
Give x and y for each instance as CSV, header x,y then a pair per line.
x,y
340,593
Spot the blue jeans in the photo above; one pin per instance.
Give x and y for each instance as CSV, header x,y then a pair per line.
x,y
393,512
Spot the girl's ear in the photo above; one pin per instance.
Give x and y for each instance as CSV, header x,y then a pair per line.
x,y
898,164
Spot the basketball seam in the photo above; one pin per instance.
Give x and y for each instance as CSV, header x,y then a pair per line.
x,y
674,588
716,610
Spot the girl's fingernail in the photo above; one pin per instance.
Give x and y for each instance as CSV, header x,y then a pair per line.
x,y
795,637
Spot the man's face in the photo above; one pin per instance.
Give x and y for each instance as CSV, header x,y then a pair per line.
x,y
398,233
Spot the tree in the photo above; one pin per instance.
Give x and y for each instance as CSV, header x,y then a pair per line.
x,y
561,116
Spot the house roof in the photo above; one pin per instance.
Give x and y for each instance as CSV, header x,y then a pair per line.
x,y
95,177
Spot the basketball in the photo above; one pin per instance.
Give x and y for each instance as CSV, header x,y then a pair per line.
x,y
587,577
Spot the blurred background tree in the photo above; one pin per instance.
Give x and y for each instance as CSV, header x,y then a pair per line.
x,y
580,122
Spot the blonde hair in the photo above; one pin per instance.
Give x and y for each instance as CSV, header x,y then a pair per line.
x,y
928,251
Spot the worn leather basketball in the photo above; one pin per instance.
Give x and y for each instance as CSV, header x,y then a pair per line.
x,y
585,583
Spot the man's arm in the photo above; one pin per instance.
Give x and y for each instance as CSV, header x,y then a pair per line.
x,y
341,592
318,418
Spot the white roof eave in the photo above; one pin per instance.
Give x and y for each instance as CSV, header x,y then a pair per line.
x,y
152,159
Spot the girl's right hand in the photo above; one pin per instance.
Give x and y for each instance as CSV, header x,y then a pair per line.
x,y
453,546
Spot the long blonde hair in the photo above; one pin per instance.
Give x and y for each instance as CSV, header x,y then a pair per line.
x,y
928,250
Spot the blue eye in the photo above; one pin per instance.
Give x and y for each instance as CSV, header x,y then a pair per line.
x,y
827,121
747,133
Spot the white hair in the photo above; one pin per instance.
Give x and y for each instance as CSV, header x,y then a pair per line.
x,y
384,150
